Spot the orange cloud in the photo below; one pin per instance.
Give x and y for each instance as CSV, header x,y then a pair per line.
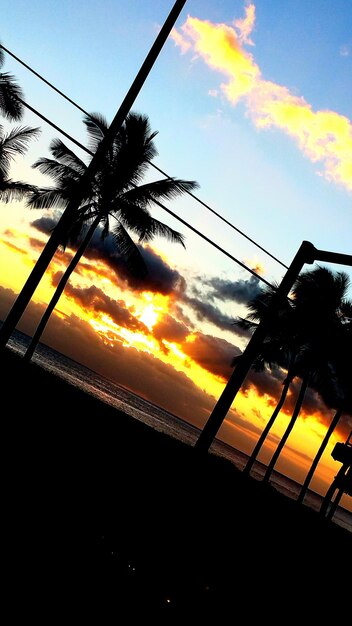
x,y
325,137
13,247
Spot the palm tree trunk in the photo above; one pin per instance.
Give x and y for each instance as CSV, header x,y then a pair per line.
x,y
319,454
270,423
34,279
291,424
47,254
60,288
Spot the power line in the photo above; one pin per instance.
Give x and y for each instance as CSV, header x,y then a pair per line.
x,y
225,220
43,79
215,245
46,119
204,204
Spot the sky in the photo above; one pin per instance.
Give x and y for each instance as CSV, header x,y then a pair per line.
x,y
252,101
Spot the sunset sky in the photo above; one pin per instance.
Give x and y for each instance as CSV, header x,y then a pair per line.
x,y
251,100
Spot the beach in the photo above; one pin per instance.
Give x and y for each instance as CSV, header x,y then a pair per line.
x,y
104,515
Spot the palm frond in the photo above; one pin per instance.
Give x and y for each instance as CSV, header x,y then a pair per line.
x,y
47,198
13,144
58,171
164,189
67,157
10,92
129,251
160,229
133,149
245,323
97,127
14,190
138,219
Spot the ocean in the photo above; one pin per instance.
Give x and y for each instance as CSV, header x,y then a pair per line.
x,y
159,419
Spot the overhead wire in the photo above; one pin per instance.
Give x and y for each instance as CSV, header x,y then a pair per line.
x,y
177,217
192,195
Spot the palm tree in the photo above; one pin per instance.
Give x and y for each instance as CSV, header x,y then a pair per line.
x,y
280,348
13,144
115,194
340,395
319,296
10,106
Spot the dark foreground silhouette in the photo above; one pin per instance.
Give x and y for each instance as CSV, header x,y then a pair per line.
x,y
107,520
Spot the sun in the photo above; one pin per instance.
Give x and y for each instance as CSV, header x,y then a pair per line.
x,y
150,307
149,316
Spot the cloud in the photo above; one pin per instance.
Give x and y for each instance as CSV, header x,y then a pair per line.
x,y
45,224
265,383
345,51
13,247
205,311
245,25
201,304
170,329
323,136
240,291
180,41
94,299
35,243
161,278
212,353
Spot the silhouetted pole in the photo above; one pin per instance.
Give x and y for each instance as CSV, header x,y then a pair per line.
x,y
305,254
56,237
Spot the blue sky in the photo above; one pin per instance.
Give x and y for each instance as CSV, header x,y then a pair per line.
x,y
93,50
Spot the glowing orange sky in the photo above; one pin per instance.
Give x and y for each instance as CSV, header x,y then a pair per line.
x,y
145,324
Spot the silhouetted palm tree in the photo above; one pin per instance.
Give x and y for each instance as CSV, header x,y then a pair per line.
x,y
13,144
280,348
319,296
10,106
340,395
115,194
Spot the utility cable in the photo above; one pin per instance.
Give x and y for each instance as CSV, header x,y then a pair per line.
x,y
215,245
204,204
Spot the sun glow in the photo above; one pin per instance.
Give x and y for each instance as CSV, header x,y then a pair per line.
x,y
175,349
156,305
149,316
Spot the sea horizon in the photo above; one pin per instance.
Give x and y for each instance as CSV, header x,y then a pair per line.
x,y
160,419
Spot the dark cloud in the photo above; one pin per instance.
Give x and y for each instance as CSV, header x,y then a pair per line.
x,y
212,353
205,311
170,329
45,224
161,278
240,291
94,299
177,309
265,383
